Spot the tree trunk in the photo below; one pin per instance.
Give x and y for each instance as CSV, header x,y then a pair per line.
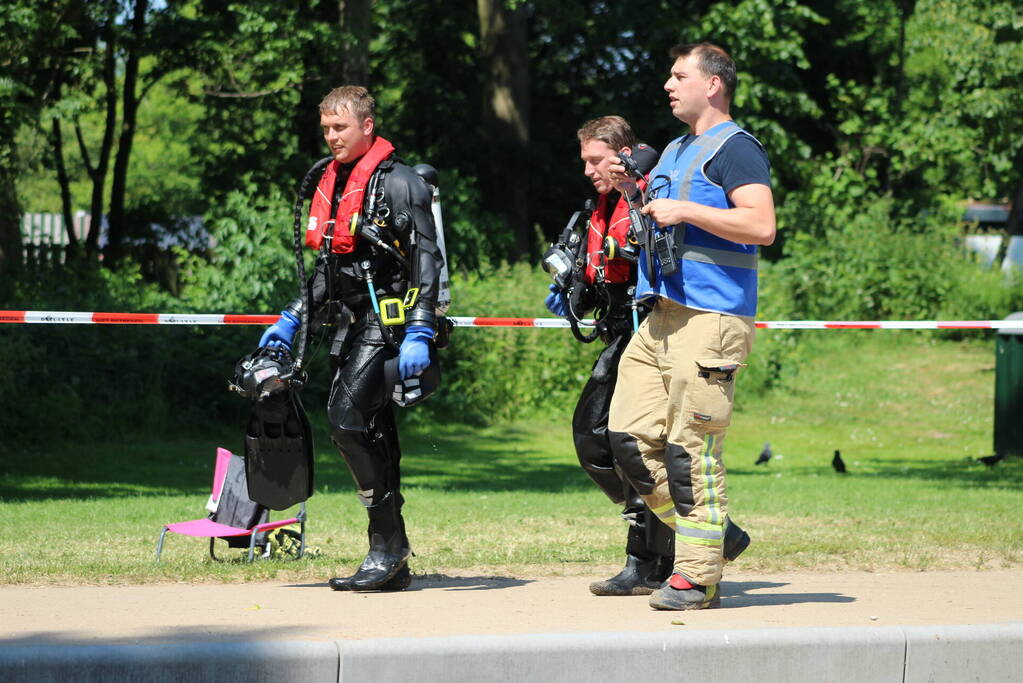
x,y
98,174
65,185
355,27
1014,225
129,106
10,207
504,48
906,9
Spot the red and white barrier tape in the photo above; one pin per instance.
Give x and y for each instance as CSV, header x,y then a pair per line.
x,y
85,318
79,317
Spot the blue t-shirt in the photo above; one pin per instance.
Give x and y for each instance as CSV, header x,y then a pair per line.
x,y
740,161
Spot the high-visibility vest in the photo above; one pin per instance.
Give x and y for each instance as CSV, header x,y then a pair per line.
x,y
714,274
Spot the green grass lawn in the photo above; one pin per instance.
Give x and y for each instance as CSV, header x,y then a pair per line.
x,y
910,414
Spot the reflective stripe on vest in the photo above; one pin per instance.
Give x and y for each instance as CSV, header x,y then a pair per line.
x,y
714,274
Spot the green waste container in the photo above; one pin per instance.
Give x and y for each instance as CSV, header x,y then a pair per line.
x,y
1009,390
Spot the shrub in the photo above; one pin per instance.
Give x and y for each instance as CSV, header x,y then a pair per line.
x,y
508,373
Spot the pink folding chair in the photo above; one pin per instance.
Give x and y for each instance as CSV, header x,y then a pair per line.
x,y
208,528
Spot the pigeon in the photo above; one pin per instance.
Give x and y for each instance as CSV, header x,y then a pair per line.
x,y
992,460
765,455
838,463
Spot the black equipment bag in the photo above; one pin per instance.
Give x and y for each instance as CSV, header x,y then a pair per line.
x,y
235,508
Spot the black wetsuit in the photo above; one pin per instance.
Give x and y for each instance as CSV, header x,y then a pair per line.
x,y
359,405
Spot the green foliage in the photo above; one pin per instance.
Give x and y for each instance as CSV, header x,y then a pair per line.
x,y
166,377
961,126
499,373
766,40
252,268
88,379
162,183
866,259
251,74
919,99
879,117
978,293
474,237
867,268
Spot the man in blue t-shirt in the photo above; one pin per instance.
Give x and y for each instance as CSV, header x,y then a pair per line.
x,y
711,205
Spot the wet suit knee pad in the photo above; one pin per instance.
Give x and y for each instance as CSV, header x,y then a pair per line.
x,y
630,461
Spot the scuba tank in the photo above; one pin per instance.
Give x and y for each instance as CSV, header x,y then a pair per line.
x,y
429,175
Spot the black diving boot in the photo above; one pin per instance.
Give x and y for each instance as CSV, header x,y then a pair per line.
x,y
384,569
386,565
641,574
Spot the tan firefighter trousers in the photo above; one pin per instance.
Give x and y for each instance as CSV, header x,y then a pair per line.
x,y
669,413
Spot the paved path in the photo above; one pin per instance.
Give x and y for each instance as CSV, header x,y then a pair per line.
x,y
443,605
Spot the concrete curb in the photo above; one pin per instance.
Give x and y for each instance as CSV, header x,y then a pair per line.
x,y
756,655
989,652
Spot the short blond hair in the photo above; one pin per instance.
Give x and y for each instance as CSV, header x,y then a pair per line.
x,y
613,130
354,98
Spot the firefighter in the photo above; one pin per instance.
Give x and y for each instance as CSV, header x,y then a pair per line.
x,y
606,285
711,206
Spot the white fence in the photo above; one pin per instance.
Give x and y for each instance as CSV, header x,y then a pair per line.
x,y
44,236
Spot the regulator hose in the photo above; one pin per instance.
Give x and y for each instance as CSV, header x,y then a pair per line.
x,y
573,320
305,190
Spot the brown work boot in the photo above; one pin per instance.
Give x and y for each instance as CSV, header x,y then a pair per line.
x,y
680,594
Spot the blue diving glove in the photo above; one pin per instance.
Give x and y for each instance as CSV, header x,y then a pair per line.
x,y
414,356
555,303
282,332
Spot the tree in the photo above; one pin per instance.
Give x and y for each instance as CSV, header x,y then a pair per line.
x,y
504,49
133,46
30,68
961,132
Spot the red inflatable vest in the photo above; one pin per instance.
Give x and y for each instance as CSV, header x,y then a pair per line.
x,y
343,241
599,226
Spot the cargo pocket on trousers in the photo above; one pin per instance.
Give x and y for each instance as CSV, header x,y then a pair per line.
x,y
710,393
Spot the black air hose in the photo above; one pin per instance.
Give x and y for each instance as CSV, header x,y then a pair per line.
x,y
305,191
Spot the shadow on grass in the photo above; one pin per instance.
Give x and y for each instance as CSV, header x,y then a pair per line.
x,y
455,458
957,473
183,466
740,594
506,459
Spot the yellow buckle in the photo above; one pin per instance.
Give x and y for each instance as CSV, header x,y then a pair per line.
x,y
353,225
610,247
392,312
410,297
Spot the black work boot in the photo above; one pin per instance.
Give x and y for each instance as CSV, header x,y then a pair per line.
x,y
681,594
736,540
